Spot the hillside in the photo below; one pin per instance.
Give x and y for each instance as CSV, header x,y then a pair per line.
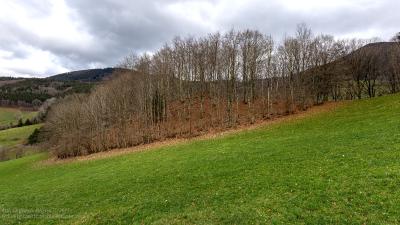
x,y
337,167
11,116
375,62
34,91
31,92
90,75
13,142
383,55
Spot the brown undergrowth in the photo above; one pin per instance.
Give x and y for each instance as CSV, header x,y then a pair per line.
x,y
329,106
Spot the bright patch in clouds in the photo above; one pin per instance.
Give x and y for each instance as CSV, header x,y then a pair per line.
x,y
35,63
311,5
36,33
198,12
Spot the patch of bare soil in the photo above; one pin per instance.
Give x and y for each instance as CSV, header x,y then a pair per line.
x,y
330,106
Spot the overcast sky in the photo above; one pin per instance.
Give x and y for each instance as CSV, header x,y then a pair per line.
x,y
46,37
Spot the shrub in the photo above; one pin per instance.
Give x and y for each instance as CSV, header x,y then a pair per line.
x,y
20,123
28,122
34,137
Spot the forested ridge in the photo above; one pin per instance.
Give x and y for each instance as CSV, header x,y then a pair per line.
x,y
195,85
32,92
90,75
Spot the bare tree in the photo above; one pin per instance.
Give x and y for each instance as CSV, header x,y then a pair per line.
x,y
192,85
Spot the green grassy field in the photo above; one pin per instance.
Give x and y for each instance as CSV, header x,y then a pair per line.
x,y
12,115
12,142
339,167
15,136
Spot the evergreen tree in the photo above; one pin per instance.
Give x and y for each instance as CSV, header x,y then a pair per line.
x,y
34,137
28,122
20,123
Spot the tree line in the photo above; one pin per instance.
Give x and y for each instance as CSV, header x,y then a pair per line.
x,y
195,85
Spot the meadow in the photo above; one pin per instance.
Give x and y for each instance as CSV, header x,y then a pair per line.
x,y
12,115
16,136
337,167
13,142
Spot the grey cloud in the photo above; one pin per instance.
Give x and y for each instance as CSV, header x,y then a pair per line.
x,y
117,27
272,18
142,25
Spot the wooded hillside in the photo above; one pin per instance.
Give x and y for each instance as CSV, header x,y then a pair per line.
x,y
32,92
195,85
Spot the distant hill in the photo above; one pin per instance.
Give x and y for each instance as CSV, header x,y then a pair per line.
x,y
27,92
376,66
90,75
382,55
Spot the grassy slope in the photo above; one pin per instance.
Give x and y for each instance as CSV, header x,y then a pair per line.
x,y
338,167
11,115
15,136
